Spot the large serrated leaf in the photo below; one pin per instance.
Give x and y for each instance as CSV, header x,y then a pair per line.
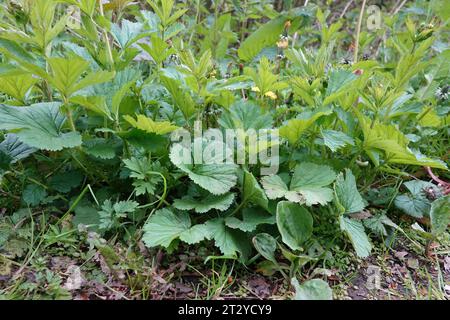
x,y
347,193
13,150
308,185
149,125
229,241
213,174
358,237
164,226
39,125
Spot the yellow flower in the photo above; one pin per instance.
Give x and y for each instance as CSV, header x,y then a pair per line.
x,y
255,89
271,95
283,43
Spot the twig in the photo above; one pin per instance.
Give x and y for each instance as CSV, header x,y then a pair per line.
x,y
396,10
358,31
345,9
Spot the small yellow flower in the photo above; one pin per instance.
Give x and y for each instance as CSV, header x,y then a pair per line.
x,y
283,43
255,89
271,95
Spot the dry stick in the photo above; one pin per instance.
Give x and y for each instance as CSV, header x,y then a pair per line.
x,y
345,9
395,6
394,11
399,7
358,31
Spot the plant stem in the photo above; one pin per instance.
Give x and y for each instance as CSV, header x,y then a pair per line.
x,y
105,35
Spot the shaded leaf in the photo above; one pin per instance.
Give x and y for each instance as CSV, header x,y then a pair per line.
x,y
315,289
33,194
218,202
295,224
266,245
347,193
440,215
358,237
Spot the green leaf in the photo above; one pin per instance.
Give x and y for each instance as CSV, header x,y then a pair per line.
x,y
315,289
440,215
195,234
148,125
228,240
40,126
339,83
294,128
93,78
87,6
127,33
264,77
218,202
13,48
181,97
118,97
252,192
266,35
86,215
66,75
159,50
415,203
274,187
100,148
218,179
358,237
13,150
295,224
66,181
212,175
95,104
17,86
111,214
393,143
308,185
251,219
266,245
245,115
145,172
33,194
336,139
164,226
377,224
309,181
347,193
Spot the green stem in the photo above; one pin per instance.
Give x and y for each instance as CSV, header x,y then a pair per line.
x,y
106,39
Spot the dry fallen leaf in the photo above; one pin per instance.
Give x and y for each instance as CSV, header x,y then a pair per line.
x,y
75,279
400,254
447,264
412,263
